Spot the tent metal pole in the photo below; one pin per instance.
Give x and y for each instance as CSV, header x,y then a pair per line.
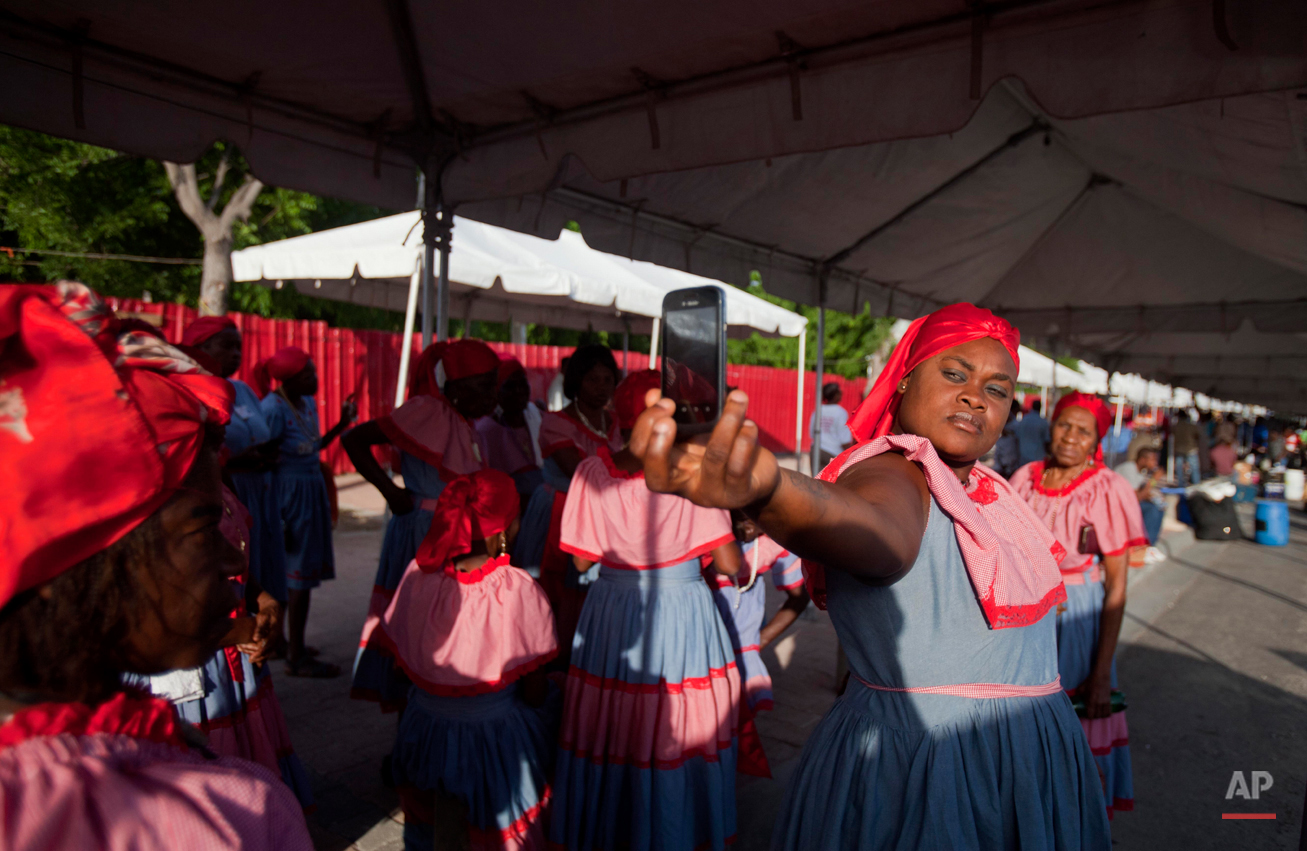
x,y
654,337
445,237
429,229
798,404
406,342
815,453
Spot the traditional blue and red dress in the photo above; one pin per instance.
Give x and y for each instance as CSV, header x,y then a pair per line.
x,y
647,749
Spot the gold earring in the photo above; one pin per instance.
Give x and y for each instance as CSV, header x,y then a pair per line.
x,y
903,386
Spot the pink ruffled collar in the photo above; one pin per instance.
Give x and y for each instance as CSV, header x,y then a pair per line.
x,y
472,577
1011,558
1037,476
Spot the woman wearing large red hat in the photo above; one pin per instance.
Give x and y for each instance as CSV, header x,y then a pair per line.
x,y
954,731
1095,515
116,559
452,385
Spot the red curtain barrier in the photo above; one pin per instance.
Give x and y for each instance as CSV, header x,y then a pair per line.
x,y
365,365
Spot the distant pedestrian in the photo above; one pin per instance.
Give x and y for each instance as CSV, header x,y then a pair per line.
x,y
1007,452
834,436
1032,436
1144,475
1185,433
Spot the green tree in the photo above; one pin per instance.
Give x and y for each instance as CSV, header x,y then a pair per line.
x,y
66,196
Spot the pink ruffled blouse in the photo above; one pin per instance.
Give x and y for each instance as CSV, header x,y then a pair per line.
x,y
458,634
613,519
118,778
1098,497
559,430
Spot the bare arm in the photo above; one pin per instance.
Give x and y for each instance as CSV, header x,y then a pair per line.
x,y
862,524
786,615
358,443
581,564
1097,690
727,559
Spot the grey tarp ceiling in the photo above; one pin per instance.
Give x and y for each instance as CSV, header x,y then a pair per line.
x,y
1134,171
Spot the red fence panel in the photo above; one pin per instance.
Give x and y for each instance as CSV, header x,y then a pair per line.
x,y
365,364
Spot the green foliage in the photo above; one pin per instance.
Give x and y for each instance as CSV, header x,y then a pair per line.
x,y
67,196
850,339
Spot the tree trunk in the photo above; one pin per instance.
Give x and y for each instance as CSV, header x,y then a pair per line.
x,y
216,277
215,280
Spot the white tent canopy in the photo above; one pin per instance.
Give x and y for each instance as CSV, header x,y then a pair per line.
x,y
1130,187
496,275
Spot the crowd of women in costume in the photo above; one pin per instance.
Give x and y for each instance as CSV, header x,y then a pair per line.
x,y
569,606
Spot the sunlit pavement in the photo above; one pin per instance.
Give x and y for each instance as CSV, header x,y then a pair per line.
x,y
1214,667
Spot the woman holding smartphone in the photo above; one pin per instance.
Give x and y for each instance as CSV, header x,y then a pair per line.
x,y
1094,513
954,731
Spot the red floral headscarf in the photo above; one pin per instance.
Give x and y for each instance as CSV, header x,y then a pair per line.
x,y
470,508
98,428
1094,405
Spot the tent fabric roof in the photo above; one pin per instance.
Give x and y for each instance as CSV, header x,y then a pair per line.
x,y
496,275
1133,174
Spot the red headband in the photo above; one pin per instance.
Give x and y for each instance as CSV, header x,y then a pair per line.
x,y
470,508
629,398
926,337
1092,404
97,428
204,328
286,363
458,358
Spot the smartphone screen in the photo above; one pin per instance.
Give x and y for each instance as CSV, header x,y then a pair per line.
x,y
693,367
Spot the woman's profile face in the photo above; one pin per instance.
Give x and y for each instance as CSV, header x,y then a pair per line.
x,y
1074,434
186,593
304,382
473,396
225,348
959,399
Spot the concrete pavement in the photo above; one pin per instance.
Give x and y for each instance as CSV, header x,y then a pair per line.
x,y
1213,663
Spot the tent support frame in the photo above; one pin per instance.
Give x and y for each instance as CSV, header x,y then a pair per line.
x,y
815,450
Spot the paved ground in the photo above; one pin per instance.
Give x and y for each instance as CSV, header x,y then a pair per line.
x,y
1214,667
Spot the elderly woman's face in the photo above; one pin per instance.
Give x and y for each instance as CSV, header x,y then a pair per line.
x,y
1074,434
186,594
959,399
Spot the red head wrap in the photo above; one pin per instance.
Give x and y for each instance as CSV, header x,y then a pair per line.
x,y
456,358
470,508
97,429
204,328
926,337
508,367
1092,404
286,363
629,398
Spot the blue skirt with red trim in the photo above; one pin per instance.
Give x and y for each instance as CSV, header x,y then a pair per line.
x,y
1109,738
648,743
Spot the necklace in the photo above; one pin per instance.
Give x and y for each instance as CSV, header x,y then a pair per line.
x,y
603,418
1057,500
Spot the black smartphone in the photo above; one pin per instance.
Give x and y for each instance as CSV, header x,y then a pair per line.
x,y
693,348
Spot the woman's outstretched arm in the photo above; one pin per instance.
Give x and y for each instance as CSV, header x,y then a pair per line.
x,y
358,443
868,524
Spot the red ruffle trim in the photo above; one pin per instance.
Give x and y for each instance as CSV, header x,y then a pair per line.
x,y
506,679
517,832
397,436
660,764
472,577
660,687
984,492
1116,743
1007,617
697,552
1129,545
1037,474
132,714
1058,551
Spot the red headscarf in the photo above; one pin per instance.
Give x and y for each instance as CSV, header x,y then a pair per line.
x,y
97,429
456,358
629,398
926,337
1092,404
508,367
284,364
204,328
470,508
